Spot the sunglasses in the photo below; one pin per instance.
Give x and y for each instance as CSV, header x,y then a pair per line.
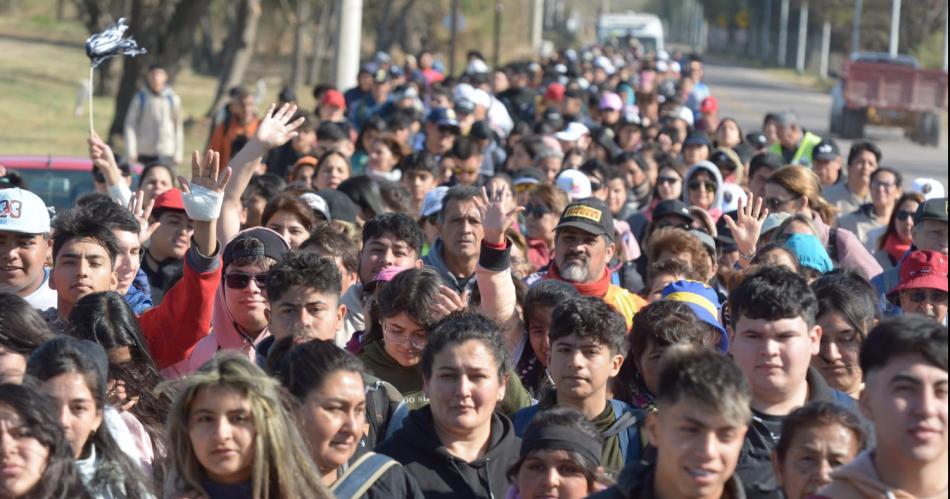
x,y
667,180
903,215
885,185
535,210
460,171
596,186
927,295
684,226
522,188
238,280
775,203
696,184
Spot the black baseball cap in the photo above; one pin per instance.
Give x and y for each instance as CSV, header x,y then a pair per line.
x,y
589,215
340,205
697,138
272,245
826,150
765,159
932,209
672,207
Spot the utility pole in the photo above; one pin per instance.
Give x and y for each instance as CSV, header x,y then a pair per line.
x,y
454,32
496,42
825,49
895,26
783,33
346,59
537,25
802,37
946,35
856,26
766,30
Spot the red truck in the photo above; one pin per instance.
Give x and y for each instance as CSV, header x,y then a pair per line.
x,y
877,89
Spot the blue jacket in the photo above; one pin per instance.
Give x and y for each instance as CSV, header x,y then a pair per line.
x,y
139,295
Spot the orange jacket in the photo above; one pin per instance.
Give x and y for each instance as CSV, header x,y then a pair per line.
x,y
224,136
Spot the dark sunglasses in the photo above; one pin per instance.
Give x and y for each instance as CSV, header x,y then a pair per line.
x,y
904,215
684,226
928,295
695,185
238,280
596,186
775,203
667,180
535,210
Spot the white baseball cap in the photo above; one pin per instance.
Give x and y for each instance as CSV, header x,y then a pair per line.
x,y
316,203
574,131
930,187
22,211
732,195
575,183
432,203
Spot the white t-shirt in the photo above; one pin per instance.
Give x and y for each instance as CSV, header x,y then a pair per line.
x,y
44,298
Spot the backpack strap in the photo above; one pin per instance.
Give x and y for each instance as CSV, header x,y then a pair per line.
x,y
627,430
359,477
521,419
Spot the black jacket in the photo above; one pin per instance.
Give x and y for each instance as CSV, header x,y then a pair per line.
x,y
394,483
443,476
755,461
636,482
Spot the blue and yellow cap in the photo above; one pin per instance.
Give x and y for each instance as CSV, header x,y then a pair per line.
x,y
703,300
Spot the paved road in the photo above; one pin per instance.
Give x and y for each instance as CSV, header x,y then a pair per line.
x,y
746,94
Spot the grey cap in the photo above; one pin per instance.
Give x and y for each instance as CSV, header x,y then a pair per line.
x,y
786,118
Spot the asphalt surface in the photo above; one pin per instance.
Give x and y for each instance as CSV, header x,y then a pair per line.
x,y
746,94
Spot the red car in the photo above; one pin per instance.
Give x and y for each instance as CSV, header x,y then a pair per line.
x,y
58,180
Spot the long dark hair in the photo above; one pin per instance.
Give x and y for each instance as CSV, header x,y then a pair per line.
x,y
306,366
115,471
22,328
908,196
38,413
105,318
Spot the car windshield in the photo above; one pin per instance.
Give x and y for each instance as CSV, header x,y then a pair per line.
x,y
57,188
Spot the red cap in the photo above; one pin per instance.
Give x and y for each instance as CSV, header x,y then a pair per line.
x,y
709,105
169,200
333,98
554,92
923,269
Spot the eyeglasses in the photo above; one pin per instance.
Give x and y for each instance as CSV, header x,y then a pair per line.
x,y
522,188
903,215
696,184
775,203
927,295
238,280
535,210
412,339
667,180
875,184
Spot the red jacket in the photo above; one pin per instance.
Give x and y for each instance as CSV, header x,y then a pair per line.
x,y
183,318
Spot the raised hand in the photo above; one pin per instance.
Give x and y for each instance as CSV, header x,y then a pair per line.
x,y
103,158
446,302
206,172
496,217
142,211
276,128
747,226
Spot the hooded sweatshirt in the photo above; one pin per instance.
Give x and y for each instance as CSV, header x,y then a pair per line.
x,y
859,480
715,211
443,476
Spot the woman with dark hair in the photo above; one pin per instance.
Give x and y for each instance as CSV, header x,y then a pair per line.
x,y
895,239
74,373
728,133
332,408
385,154
22,330
34,454
532,354
847,311
371,129
560,456
365,194
459,445
332,169
290,217
106,319
816,439
155,179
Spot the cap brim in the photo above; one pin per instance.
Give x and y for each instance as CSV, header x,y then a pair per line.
x,y
449,123
923,282
584,226
824,157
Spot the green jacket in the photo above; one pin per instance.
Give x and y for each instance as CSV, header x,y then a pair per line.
x,y
802,155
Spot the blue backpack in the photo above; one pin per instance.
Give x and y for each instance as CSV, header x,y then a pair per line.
x,y
626,427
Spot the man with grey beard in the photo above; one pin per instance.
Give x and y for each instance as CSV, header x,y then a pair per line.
x,y
583,246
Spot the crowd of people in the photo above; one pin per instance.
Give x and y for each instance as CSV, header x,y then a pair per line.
x,y
566,278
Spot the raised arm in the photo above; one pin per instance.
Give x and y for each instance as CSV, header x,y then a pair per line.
x,y
746,228
275,129
493,272
104,160
208,179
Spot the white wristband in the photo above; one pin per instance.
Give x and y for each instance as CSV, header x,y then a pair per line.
x,y
202,204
